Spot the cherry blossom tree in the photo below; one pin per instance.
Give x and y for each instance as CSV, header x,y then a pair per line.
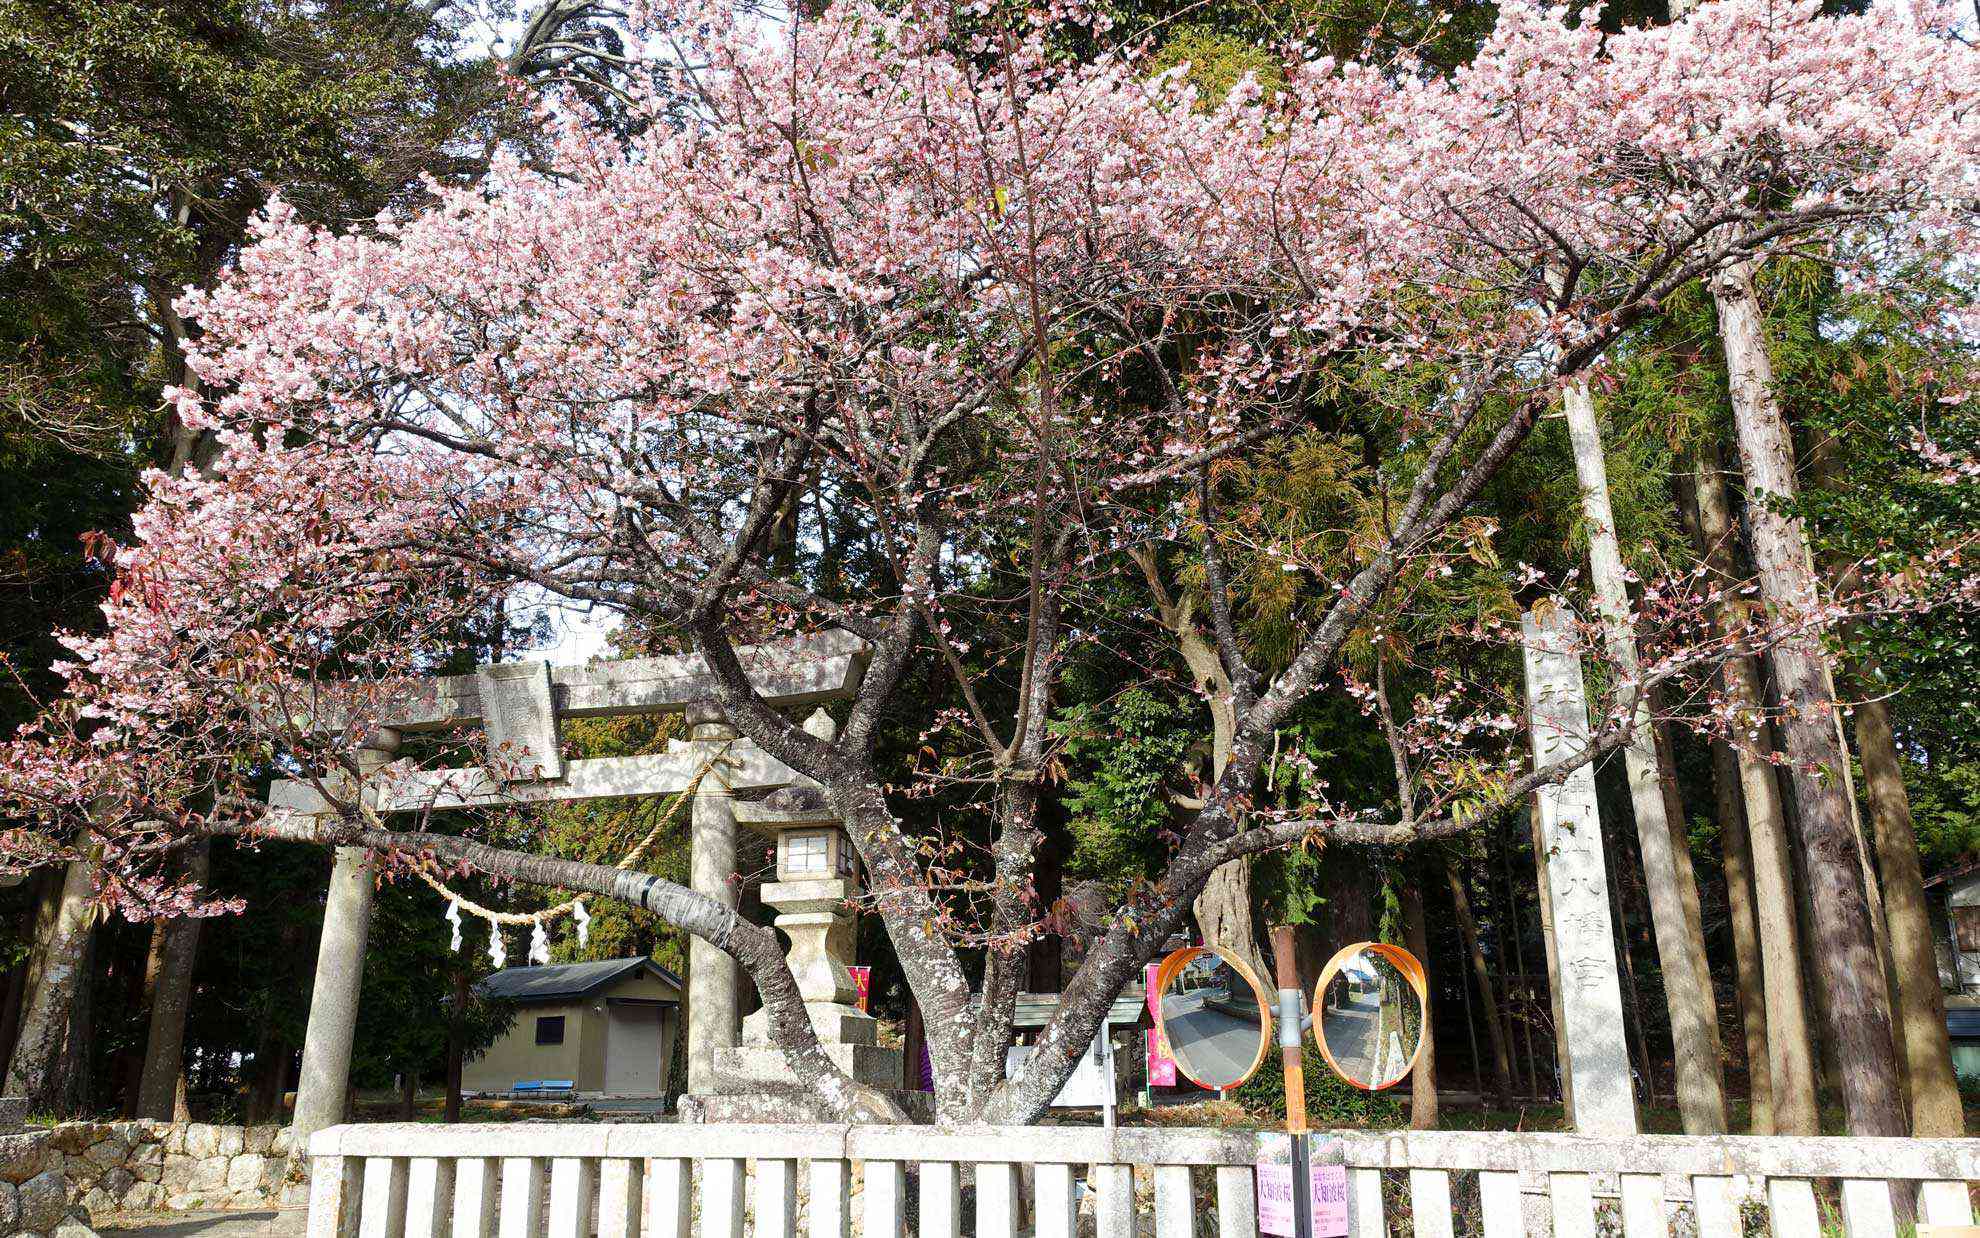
x,y
884,271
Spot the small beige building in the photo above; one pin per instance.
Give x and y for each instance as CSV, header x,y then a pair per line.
x,y
601,1029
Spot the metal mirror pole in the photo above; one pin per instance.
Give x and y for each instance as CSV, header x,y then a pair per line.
x,y
1292,1035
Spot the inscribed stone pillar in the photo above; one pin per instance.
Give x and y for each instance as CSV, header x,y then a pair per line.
x,y
333,1001
1578,884
713,979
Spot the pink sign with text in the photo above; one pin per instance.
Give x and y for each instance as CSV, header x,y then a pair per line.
x,y
1161,1065
1275,1200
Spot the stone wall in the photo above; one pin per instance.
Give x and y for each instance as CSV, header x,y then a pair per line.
x,y
109,1167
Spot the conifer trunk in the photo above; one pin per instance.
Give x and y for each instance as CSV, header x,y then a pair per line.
x,y
1738,858
1935,1102
1422,1079
1687,985
171,997
1494,1031
1790,1044
1860,1015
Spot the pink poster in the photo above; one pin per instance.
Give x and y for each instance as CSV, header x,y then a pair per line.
x,y
1161,1066
862,981
1275,1200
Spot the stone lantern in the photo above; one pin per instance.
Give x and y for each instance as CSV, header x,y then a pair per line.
x,y
817,879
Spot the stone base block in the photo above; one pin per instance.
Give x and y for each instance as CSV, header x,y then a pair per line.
x,y
753,1068
835,1023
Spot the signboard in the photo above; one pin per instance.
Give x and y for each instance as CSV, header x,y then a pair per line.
x,y
1092,1083
863,981
1330,1200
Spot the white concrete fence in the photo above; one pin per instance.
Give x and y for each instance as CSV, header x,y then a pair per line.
x,y
645,1181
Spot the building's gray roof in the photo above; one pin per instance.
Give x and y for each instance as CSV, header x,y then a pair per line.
x,y
1035,1010
565,981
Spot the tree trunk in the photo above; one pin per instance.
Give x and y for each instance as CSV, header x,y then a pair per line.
x,y
1423,1079
408,1094
1223,908
1687,985
41,1050
1860,1015
1790,1046
457,1044
1738,858
1623,895
1494,1032
1552,944
171,995
1935,1102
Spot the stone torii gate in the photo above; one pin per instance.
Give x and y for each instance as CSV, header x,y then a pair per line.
x,y
520,707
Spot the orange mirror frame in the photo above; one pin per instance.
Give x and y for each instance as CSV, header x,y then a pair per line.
x,y
1404,962
1166,970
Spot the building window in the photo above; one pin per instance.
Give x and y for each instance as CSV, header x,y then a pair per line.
x,y
1966,929
550,1030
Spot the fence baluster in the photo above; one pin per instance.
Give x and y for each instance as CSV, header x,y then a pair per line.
x,y
1866,1204
776,1198
1237,1202
384,1198
997,1203
1572,1197
941,1200
1643,1206
1175,1202
522,1196
1365,1200
667,1195
885,1199
721,1198
1717,1210
571,1182
429,1184
1430,1202
831,1199
1113,1204
1055,1201
1945,1203
1498,1198
618,1198
334,1199
474,1197
1791,1204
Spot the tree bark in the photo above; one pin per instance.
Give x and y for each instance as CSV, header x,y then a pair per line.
x,y
171,996
1737,855
1494,1031
1423,1079
37,1071
1935,1102
1860,1016
1223,907
1790,1045
1687,985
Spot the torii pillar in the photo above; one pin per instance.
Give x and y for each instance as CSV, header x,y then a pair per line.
x,y
714,981
333,1001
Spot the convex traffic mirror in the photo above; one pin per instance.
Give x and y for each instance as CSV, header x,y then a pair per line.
x,y
1214,1014
1370,1003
